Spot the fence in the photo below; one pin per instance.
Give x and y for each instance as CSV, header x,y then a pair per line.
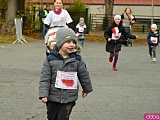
x,y
77,15
142,24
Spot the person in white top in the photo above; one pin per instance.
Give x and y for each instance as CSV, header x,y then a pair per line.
x,y
57,18
80,31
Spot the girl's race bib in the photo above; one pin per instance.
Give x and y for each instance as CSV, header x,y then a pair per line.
x,y
81,29
66,80
115,33
116,36
154,40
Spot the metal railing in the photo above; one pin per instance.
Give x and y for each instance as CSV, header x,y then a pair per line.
x,y
142,23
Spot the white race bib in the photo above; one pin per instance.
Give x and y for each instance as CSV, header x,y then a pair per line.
x,y
81,29
116,36
154,40
66,80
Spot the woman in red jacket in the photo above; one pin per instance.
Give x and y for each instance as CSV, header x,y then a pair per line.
x,y
113,36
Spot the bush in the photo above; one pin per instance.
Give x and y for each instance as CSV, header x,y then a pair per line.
x,y
81,11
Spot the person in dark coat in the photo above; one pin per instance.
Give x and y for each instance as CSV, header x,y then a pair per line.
x,y
153,40
128,19
113,35
43,16
62,71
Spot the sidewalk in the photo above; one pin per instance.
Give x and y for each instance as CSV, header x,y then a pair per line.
x,y
126,94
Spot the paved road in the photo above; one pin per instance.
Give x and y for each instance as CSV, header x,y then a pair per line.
x,y
126,94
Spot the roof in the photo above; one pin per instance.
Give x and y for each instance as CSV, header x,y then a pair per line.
x,y
136,2
102,2
69,1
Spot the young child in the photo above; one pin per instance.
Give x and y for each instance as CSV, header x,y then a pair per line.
x,y
80,31
61,70
153,40
113,36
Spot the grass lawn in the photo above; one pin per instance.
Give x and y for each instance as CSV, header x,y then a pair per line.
x,y
35,36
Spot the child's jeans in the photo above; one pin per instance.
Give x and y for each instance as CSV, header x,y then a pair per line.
x,y
152,51
81,42
44,30
59,111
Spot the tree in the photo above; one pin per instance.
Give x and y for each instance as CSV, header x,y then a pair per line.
x,y
77,10
14,7
109,9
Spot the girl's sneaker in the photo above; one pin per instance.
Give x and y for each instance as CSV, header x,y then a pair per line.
x,y
154,60
114,68
110,59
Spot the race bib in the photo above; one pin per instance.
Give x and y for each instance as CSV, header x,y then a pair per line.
x,y
66,80
81,29
116,36
154,40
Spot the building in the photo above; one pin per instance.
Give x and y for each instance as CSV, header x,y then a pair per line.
x,y
145,11
139,7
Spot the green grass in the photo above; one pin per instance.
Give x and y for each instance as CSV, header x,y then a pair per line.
x,y
102,39
6,39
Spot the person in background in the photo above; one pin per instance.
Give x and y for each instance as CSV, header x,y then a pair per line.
x,y
61,73
128,20
81,29
153,40
57,18
113,36
43,16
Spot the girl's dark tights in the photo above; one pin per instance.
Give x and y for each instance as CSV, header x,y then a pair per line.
x,y
115,56
152,51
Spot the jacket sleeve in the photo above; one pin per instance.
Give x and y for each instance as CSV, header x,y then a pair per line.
x,y
76,28
127,34
85,30
106,33
44,84
43,15
134,18
158,36
47,26
84,78
122,16
148,38
69,24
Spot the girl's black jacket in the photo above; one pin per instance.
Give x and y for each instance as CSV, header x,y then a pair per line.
x,y
152,34
115,45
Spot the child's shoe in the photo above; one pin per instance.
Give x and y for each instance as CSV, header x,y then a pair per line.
x,y
110,59
154,60
114,68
